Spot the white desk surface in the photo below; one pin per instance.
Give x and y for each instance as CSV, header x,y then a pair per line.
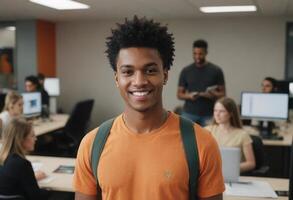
x,y
63,182
56,122
286,132
276,183
60,181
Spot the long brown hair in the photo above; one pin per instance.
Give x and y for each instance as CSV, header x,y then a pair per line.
x,y
231,107
13,136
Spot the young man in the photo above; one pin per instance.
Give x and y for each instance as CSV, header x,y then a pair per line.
x,y
200,85
143,157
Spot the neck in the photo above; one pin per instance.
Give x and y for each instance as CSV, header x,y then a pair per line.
x,y
144,122
225,126
201,64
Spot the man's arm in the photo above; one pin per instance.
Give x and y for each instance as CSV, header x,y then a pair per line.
x,y
183,94
216,197
80,196
219,92
214,94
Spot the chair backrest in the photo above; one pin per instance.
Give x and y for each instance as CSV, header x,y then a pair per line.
x,y
79,119
258,151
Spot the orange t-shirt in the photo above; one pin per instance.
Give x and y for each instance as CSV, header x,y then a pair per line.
x,y
148,166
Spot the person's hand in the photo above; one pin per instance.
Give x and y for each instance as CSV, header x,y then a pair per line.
x,y
40,175
193,95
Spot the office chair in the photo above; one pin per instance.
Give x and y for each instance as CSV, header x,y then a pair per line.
x,y
66,141
260,168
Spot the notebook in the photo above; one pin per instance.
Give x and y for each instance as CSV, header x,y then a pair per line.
x,y
230,163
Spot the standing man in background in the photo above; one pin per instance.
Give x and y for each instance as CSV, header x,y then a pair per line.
x,y
200,85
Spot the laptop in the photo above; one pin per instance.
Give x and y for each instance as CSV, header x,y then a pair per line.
x,y
230,163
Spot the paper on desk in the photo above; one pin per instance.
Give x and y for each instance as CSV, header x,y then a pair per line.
x,y
48,179
37,166
252,189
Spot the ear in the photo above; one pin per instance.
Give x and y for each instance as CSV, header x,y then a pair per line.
x,y
165,76
116,79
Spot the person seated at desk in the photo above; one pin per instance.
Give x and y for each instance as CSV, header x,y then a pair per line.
x,y
269,85
32,84
227,130
17,177
13,108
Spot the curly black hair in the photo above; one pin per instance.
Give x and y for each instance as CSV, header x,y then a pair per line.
x,y
200,44
141,32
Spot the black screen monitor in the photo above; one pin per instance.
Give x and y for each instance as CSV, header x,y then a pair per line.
x,y
264,107
283,86
52,86
32,104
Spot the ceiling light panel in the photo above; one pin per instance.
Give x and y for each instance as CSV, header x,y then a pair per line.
x,y
61,4
227,9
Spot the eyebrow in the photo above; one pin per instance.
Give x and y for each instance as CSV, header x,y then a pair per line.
x,y
146,65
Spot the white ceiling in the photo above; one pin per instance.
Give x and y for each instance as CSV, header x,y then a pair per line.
x,y
160,9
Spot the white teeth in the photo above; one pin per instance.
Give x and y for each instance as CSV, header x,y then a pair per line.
x,y
140,93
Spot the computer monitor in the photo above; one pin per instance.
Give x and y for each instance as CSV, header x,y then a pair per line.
x,y
264,107
32,104
52,86
291,89
283,86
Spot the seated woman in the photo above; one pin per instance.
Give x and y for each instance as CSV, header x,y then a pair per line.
x,y
13,108
17,178
269,85
228,132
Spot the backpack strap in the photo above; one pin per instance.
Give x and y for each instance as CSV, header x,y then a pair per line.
x,y
98,145
189,142
190,147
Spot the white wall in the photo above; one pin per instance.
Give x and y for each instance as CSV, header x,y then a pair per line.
x,y
246,49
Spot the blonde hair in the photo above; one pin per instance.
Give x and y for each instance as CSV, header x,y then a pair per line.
x,y
11,98
231,107
13,136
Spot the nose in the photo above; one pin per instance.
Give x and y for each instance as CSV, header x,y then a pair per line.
x,y
140,79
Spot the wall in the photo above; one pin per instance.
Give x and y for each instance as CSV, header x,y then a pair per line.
x,y
26,58
246,49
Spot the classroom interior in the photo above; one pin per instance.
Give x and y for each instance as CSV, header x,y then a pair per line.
x,y
70,45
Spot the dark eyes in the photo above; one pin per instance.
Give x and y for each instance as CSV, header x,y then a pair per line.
x,y
148,71
151,71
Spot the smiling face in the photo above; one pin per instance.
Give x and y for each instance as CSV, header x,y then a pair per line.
x,y
221,115
199,55
140,78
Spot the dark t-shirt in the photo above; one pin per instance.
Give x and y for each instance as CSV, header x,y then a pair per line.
x,y
17,178
197,79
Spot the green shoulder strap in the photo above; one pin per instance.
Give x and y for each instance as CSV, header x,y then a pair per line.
x,y
98,145
190,147
189,142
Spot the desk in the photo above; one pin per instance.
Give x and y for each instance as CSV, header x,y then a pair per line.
x,y
277,152
276,183
286,133
63,182
57,121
